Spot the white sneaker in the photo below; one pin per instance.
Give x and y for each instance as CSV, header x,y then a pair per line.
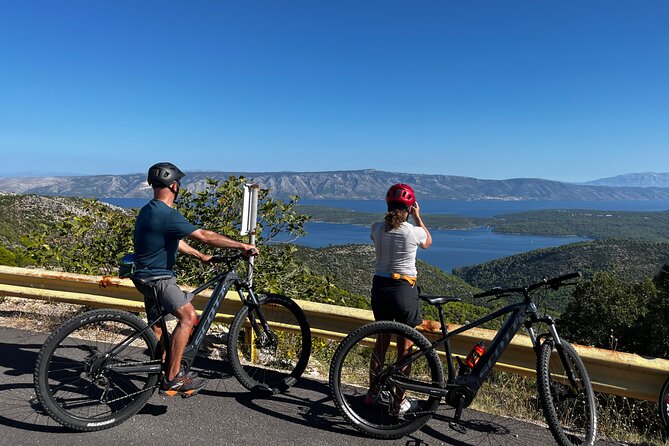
x,y
407,405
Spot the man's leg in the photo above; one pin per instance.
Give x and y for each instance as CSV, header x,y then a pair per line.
x,y
187,319
158,331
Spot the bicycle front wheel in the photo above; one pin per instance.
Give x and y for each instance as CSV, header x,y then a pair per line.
x,y
569,406
269,362
664,406
367,388
75,379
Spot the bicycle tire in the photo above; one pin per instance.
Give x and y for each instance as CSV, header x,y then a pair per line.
x,y
664,407
350,378
71,380
570,411
260,365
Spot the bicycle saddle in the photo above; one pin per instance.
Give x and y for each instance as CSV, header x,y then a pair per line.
x,y
438,300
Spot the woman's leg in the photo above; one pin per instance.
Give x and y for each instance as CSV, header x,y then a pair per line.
x,y
403,349
377,360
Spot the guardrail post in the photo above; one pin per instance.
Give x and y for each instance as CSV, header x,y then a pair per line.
x,y
250,340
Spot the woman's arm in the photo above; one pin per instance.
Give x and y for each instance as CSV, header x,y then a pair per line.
x,y
415,213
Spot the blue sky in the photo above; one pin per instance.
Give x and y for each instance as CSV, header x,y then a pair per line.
x,y
568,90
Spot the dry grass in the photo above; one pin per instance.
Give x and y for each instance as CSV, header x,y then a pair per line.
x,y
35,315
619,419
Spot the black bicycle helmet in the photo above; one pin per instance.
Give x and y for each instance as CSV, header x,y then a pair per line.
x,y
164,174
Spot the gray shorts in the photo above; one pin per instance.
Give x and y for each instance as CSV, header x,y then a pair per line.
x,y
170,296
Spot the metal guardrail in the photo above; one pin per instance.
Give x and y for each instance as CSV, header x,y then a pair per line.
x,y
611,372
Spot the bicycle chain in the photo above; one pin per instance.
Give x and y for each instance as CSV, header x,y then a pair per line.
x,y
131,394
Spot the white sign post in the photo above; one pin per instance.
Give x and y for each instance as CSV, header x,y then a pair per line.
x,y
250,219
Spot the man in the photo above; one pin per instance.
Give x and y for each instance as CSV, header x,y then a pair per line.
x,y
159,231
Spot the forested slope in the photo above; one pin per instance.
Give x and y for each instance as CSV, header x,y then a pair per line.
x,y
632,260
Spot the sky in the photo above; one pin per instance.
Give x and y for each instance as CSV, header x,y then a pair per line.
x,y
568,91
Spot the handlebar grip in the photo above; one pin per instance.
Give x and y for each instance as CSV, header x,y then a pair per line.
x,y
492,292
217,259
569,276
572,275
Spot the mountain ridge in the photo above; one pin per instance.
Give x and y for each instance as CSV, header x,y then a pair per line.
x,y
642,179
366,184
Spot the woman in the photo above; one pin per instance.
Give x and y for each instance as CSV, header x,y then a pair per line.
x,y
394,292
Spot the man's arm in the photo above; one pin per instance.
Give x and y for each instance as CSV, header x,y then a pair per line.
x,y
189,250
219,241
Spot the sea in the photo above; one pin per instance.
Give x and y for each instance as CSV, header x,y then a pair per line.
x,y
453,248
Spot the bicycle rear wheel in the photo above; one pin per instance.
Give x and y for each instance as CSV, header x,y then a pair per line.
x,y
351,379
269,362
73,377
569,407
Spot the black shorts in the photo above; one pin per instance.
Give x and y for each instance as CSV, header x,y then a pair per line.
x,y
395,300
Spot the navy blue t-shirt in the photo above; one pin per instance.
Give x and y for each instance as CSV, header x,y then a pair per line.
x,y
158,230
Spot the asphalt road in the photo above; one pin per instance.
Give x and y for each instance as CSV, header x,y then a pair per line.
x,y
226,414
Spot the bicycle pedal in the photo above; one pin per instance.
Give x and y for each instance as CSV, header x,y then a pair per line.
x,y
457,427
265,389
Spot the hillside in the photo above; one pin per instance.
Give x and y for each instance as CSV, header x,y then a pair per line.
x,y
630,259
352,268
586,223
23,213
353,185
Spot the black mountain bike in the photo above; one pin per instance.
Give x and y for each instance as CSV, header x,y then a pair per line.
x,y
101,367
402,393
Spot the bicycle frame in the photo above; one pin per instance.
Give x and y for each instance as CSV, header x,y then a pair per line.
x,y
519,313
224,281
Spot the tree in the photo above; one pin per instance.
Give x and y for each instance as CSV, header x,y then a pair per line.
x,y
7,257
87,241
608,312
655,326
218,207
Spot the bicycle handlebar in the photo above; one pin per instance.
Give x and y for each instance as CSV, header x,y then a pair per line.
x,y
554,283
217,258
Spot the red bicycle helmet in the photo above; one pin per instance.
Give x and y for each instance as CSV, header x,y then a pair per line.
x,y
401,193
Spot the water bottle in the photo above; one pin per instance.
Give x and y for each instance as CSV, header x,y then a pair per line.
x,y
474,355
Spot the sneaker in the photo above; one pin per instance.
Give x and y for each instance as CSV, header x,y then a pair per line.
x,y
371,399
182,385
407,405
192,374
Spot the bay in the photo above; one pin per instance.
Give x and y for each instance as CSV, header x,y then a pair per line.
x,y
450,249
453,248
